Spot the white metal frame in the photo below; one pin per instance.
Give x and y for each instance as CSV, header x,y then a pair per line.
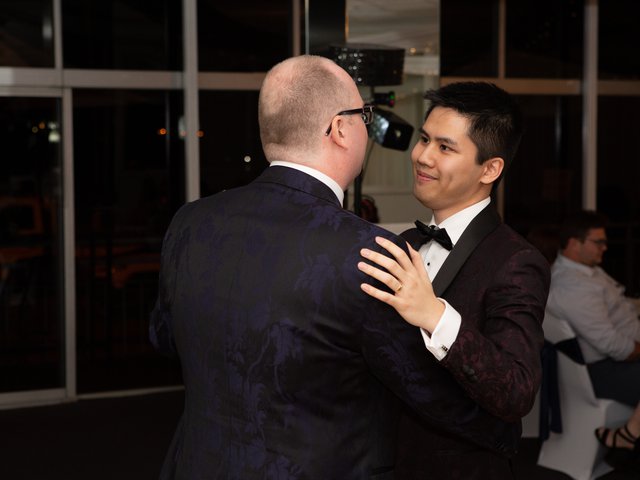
x,y
588,86
590,106
59,83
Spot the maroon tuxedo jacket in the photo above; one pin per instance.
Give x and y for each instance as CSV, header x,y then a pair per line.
x,y
499,284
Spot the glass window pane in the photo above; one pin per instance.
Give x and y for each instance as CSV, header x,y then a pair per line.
x,y
618,39
122,34
469,38
544,39
545,180
618,195
26,33
229,157
31,299
244,35
129,180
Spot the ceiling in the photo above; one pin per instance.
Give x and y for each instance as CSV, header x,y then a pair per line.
x,y
409,24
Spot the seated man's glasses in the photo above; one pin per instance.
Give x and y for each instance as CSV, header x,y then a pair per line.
x,y
366,112
601,242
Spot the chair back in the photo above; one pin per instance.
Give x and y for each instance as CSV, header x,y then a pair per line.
x,y
573,375
556,329
576,451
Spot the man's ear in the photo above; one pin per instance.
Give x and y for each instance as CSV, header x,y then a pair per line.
x,y
338,131
492,169
573,248
573,243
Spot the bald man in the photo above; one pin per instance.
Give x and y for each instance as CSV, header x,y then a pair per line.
x,y
291,371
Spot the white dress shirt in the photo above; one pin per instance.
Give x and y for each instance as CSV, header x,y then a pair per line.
x,y
328,181
605,321
433,255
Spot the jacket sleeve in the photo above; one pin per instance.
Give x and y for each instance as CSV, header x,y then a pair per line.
x,y
160,325
496,356
584,304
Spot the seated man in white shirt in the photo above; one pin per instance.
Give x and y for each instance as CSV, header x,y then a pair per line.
x,y
606,322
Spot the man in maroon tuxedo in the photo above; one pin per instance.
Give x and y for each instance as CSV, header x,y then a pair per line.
x,y
476,289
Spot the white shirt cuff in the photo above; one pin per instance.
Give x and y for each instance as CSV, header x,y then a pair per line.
x,y
445,333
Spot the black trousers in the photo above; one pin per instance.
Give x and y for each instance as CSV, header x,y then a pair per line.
x,y
616,380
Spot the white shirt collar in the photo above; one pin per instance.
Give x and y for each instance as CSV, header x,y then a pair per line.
x,y
328,181
458,222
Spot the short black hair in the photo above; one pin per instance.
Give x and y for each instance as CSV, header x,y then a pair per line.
x,y
578,224
496,123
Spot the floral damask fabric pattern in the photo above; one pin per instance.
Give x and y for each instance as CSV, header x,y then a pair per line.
x,y
291,372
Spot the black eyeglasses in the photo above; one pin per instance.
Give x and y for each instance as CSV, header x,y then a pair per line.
x,y
366,112
601,242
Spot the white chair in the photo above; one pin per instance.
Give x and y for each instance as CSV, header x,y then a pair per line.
x,y
576,451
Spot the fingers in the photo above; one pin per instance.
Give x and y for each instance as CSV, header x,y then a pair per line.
x,y
401,257
377,293
381,260
418,263
389,280
412,251
396,272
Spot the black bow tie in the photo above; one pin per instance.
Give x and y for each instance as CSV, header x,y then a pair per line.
x,y
431,232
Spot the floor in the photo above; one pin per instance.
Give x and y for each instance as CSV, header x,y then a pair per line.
x,y
126,439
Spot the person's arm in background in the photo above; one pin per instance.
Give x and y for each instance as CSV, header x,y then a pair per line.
x,y
582,303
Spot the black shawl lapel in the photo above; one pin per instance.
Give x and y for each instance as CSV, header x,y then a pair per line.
x,y
481,226
413,238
